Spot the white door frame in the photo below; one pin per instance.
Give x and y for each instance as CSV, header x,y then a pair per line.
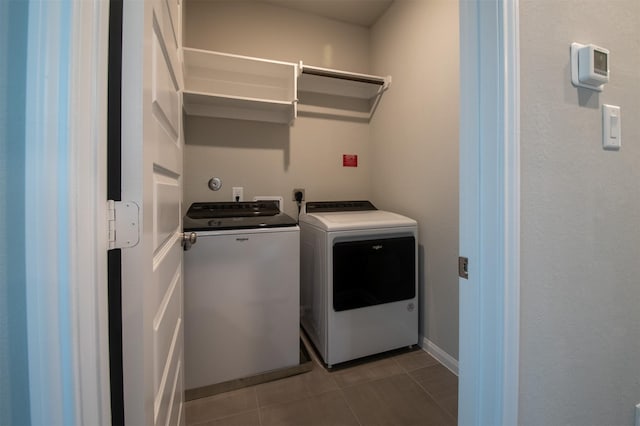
x,y
65,204
489,212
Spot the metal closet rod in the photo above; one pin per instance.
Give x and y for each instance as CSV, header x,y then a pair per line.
x,y
326,73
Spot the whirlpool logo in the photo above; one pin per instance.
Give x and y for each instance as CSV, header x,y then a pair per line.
x,y
377,247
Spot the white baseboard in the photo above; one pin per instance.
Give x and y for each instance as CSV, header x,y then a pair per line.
x,y
444,358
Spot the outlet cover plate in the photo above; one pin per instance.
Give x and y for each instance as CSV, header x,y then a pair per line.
x,y
293,193
237,193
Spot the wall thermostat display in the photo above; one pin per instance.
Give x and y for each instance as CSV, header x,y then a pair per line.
x,y
589,66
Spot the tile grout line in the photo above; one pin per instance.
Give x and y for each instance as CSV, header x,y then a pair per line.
x,y
255,391
432,397
371,380
226,416
309,396
214,419
353,413
405,373
313,398
342,388
368,382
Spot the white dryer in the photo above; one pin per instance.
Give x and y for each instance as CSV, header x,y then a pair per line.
x,y
358,279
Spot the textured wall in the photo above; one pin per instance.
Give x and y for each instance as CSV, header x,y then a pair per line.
x,y
580,291
272,159
415,147
268,159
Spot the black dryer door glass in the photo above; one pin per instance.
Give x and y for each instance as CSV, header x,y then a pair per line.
x,y
373,272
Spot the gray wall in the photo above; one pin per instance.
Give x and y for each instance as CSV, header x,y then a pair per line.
x,y
415,147
580,291
268,159
407,156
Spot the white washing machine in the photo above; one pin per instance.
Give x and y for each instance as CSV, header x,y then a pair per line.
x,y
358,279
241,292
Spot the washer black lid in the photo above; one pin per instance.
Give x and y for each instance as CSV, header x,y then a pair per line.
x,y
218,216
210,210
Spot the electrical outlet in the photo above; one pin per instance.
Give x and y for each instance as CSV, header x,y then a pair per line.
x,y
237,193
293,194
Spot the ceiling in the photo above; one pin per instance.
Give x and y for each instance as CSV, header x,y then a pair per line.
x,y
358,12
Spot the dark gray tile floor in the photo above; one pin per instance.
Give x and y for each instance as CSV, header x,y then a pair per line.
x,y
404,390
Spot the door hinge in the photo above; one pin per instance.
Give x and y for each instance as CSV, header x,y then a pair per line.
x,y
463,267
123,224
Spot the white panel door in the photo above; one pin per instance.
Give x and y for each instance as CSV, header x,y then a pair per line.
x,y
152,305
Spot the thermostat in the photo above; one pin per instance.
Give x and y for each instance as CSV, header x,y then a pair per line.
x,y
589,66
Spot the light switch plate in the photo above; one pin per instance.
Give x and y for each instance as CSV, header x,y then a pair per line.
x,y
611,127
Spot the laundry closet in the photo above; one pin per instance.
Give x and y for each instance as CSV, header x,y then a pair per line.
x,y
406,144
